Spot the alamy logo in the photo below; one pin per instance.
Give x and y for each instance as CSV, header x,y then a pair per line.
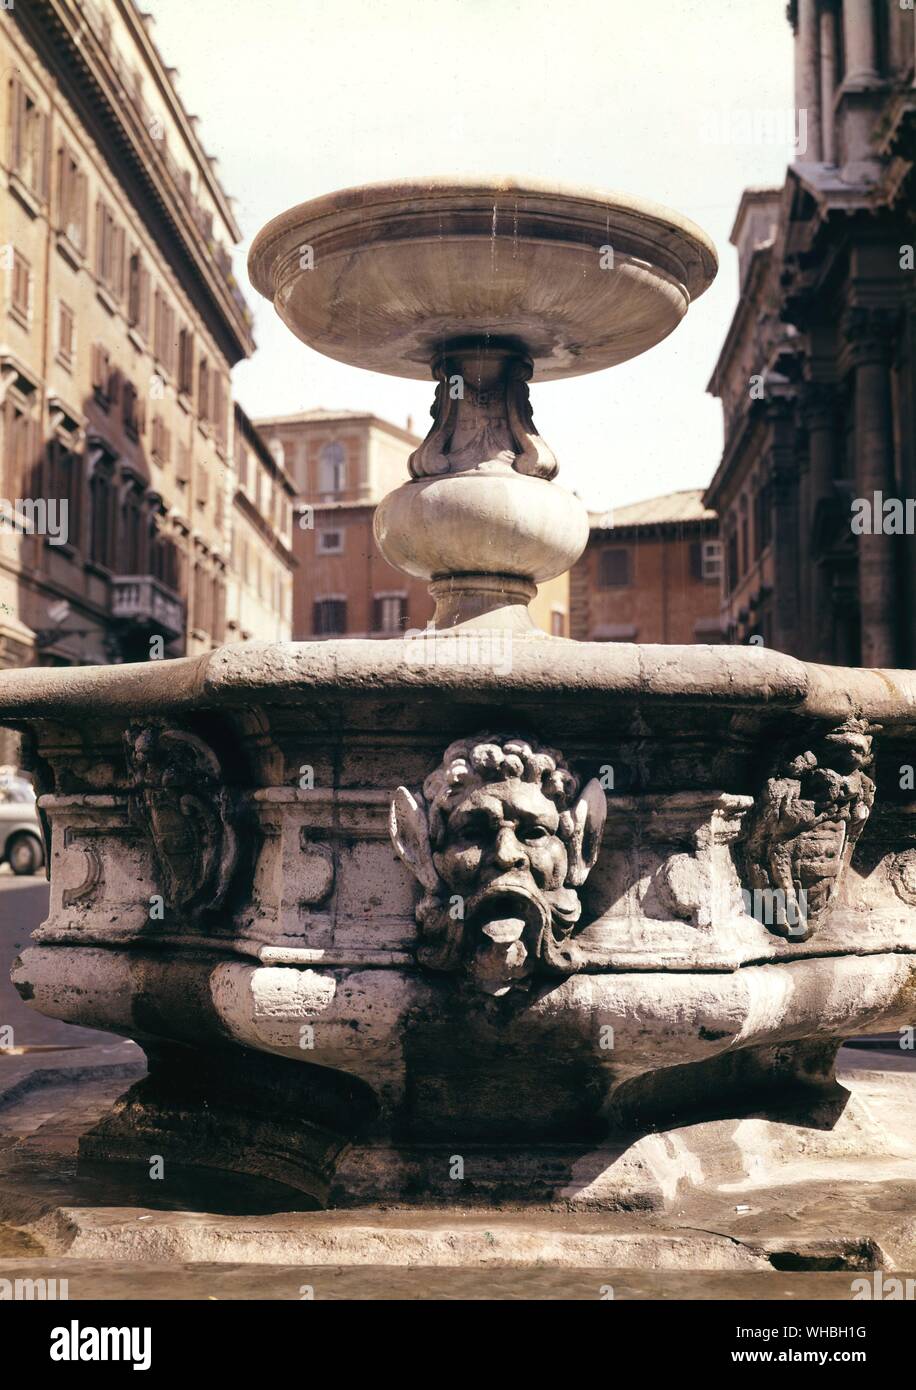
x,y
75,1343
734,126
490,648
36,516
883,516
883,1288
33,1290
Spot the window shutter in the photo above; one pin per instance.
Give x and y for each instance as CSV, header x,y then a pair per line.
x,y
696,560
16,105
82,208
376,615
99,239
44,173
614,568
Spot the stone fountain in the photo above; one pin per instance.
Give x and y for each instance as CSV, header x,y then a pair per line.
x,y
481,915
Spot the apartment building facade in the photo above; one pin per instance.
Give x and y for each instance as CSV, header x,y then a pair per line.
x,y
261,550
817,376
650,573
119,325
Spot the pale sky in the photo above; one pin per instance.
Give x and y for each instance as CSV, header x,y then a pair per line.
x,y
301,97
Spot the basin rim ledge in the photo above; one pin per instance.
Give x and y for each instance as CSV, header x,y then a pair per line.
x,y
548,668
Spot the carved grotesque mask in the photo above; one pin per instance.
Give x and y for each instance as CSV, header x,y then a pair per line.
x,y
500,840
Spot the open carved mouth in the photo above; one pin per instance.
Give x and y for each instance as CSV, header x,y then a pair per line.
x,y
504,924
503,913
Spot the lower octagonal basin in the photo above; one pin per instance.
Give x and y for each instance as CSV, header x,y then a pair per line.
x,y
389,934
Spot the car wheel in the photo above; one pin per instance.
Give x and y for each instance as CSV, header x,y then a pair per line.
x,y
25,855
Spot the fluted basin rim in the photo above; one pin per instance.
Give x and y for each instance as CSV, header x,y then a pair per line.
x,y
385,276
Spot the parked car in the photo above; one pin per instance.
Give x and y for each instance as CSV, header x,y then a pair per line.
x,y
21,844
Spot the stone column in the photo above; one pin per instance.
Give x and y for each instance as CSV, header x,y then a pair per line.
x,y
828,39
820,418
807,79
870,336
859,33
784,524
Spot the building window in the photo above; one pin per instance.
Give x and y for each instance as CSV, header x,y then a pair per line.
x,y
241,459
217,627
164,341
138,295
132,535
389,613
330,542
109,250
613,568
762,535
64,483
66,335
705,561
557,622
161,440
745,545
218,416
101,515
203,389
21,289
203,486
73,199
186,362
163,554
332,468
203,593
132,411
101,375
20,445
731,571
711,562
29,144
329,616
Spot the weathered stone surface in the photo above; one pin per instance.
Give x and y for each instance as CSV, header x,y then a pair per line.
x,y
312,988
753,1197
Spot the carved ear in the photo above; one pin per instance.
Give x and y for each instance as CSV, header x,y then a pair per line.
x,y
588,817
409,830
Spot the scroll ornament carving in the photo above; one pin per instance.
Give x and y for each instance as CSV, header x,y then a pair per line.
x,y
180,800
500,839
482,428
805,825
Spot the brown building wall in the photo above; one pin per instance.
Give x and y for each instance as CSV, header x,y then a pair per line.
x,y
664,597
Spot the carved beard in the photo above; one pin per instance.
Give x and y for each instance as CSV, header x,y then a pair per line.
x,y
507,929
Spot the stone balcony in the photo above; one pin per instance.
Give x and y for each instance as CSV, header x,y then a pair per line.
x,y
143,601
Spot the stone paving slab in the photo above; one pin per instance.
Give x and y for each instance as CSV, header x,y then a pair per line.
x,y
117,1280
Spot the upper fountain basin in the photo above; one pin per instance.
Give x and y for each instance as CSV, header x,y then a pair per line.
x,y
387,276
